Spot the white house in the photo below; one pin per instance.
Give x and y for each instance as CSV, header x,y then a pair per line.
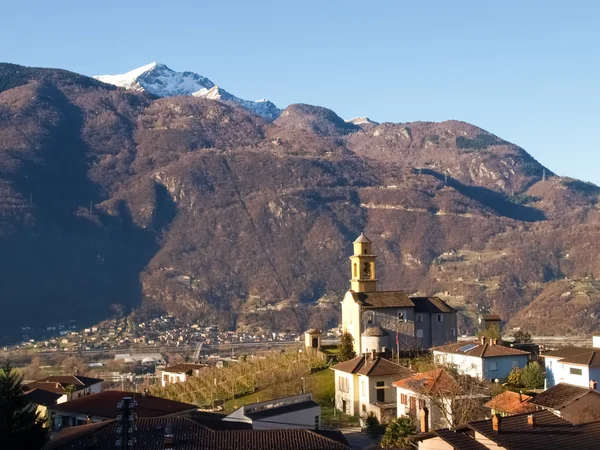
x,y
296,411
179,373
480,359
364,384
69,387
574,365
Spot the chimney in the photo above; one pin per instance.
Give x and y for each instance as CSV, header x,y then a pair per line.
x,y
494,341
531,420
496,419
593,384
483,340
373,354
424,420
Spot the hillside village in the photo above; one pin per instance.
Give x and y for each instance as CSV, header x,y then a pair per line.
x,y
399,377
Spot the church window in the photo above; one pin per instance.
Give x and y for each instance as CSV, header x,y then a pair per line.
x,y
365,251
401,316
440,318
370,317
355,270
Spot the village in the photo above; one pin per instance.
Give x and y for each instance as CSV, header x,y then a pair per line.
x,y
396,377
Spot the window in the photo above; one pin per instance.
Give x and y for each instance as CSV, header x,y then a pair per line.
x,y
453,331
574,371
401,316
419,318
370,317
366,270
365,251
316,422
404,399
364,408
355,270
420,333
493,365
440,318
380,392
421,404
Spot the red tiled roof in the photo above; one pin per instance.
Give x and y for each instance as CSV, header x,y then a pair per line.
x,y
104,405
189,434
183,368
510,402
435,381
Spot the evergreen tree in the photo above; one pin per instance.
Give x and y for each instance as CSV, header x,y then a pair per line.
x,y
398,432
532,375
20,425
346,347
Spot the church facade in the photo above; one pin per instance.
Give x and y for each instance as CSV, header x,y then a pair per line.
x,y
385,320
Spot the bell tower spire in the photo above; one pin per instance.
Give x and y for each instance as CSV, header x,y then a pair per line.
x,y
362,265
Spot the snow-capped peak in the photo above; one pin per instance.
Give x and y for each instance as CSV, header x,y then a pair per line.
x,y
158,79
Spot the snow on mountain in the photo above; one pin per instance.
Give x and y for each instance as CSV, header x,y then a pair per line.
x,y
160,80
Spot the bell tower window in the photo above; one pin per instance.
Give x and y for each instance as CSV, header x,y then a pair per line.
x,y
355,271
366,269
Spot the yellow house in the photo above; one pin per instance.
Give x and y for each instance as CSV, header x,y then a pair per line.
x,y
385,320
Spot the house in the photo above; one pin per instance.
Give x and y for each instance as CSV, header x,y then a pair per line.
x,y
41,400
179,373
509,403
68,386
296,411
103,406
575,404
364,384
196,434
536,431
573,365
416,394
409,322
486,361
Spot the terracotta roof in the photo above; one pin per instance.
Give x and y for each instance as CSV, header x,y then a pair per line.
x,y
510,402
561,395
435,381
549,431
362,239
479,350
183,368
577,355
190,434
459,440
372,368
104,405
375,331
58,383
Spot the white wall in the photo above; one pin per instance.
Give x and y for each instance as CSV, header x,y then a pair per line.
x,y
559,372
465,364
351,397
172,377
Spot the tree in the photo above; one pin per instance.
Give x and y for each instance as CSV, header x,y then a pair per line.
x,y
490,333
20,425
74,365
33,371
372,424
514,378
346,347
397,433
522,337
532,376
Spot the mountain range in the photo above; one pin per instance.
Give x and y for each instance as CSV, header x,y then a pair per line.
x,y
159,201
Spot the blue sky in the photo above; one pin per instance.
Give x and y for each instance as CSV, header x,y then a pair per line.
x,y
527,71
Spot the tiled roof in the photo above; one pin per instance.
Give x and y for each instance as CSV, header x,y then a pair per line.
x,y
561,395
58,383
286,409
183,368
104,404
372,367
510,402
41,397
479,350
431,305
549,432
435,381
577,355
383,299
189,434
459,440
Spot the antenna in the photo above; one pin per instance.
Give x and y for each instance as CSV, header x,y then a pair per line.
x,y
126,424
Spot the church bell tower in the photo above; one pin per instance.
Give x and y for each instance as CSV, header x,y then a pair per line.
x,y
362,265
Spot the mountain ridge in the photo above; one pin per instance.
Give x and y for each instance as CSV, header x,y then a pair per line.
x,y
203,210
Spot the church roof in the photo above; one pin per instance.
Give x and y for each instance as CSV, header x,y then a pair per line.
x,y
362,239
399,299
375,331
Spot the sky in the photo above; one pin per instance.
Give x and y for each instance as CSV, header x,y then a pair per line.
x,y
527,71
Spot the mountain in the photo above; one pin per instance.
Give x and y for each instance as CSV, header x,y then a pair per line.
x,y
199,208
158,79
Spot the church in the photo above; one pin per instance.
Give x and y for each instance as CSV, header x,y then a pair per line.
x,y
384,320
